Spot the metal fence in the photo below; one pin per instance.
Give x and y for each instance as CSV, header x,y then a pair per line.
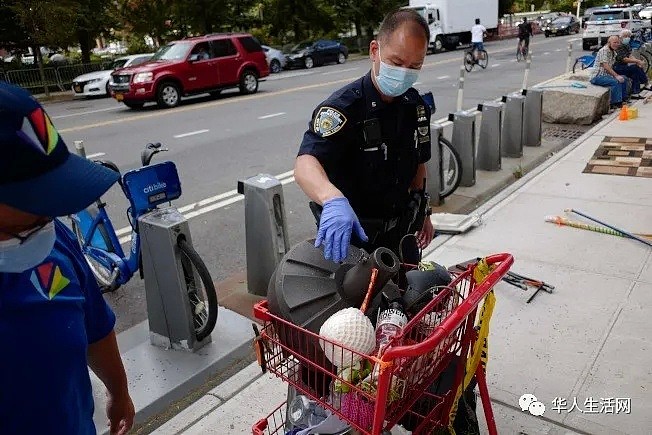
x,y
56,78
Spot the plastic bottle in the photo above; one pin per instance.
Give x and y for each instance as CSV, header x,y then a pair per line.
x,y
300,410
391,321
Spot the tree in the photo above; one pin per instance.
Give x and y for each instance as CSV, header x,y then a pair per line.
x,y
93,18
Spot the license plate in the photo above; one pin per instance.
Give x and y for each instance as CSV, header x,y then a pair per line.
x,y
119,97
78,89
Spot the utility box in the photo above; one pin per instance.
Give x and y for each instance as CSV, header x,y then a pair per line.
x,y
265,229
532,114
169,309
490,142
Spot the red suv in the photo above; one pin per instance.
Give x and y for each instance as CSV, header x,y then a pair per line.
x,y
192,66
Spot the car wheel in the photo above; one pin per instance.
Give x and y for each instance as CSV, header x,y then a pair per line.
x,y
547,34
168,95
275,66
108,91
249,82
135,106
341,58
308,62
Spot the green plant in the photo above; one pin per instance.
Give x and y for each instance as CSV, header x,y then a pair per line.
x,y
137,45
518,172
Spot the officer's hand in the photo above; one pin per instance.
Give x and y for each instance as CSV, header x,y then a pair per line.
x,y
337,222
424,237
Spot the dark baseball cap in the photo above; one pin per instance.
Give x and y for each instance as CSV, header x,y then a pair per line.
x,y
38,174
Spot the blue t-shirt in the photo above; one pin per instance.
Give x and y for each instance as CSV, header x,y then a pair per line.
x,y
48,316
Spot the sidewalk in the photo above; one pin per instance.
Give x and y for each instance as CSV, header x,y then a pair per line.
x,y
588,342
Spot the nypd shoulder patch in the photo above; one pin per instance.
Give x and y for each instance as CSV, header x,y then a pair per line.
x,y
328,121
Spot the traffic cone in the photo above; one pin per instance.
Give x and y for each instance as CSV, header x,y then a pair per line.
x,y
623,113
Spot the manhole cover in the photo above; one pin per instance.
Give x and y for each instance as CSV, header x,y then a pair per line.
x,y
562,133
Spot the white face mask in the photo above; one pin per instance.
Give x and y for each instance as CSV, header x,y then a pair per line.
x,y
17,257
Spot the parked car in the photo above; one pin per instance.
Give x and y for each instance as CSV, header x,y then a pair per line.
x,y
562,26
97,83
205,64
611,21
646,13
308,54
275,59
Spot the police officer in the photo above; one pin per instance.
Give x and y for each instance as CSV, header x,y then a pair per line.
x,y
362,160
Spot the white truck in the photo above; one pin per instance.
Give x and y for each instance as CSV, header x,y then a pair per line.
x,y
450,21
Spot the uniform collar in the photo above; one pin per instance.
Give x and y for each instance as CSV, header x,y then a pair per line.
x,y
373,98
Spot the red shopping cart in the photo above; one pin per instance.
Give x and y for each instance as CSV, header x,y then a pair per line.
x,y
398,387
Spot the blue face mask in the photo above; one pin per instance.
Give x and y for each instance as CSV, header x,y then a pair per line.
x,y
626,40
395,80
16,257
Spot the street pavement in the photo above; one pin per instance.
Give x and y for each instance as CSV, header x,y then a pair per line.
x,y
215,142
583,350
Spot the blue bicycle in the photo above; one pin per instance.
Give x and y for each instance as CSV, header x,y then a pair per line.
x,y
146,188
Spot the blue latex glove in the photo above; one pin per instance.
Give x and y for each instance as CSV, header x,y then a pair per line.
x,y
337,222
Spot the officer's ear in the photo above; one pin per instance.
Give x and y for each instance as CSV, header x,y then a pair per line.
x,y
373,50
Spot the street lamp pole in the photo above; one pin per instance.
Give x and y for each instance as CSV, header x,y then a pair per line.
x,y
579,3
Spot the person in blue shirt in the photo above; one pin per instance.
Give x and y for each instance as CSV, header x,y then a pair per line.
x,y
362,160
54,322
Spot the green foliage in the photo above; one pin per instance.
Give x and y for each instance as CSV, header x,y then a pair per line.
x,y
136,45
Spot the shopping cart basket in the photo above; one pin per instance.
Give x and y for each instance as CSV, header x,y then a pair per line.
x,y
398,388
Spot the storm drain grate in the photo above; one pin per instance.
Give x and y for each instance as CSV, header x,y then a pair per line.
x,y
562,133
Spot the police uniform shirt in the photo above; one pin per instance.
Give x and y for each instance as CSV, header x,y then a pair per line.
x,y
370,149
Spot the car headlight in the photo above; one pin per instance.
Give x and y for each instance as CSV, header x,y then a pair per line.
x,y
562,27
94,80
143,77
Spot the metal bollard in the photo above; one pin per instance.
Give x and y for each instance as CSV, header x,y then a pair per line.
x,y
265,229
532,113
433,166
528,64
490,143
169,310
460,89
569,60
512,133
79,148
463,141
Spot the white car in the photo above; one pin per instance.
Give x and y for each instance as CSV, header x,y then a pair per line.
x,y
646,13
97,83
604,23
275,59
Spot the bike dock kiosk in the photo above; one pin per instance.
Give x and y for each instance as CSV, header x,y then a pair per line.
x,y
265,229
512,134
463,141
490,142
532,116
169,310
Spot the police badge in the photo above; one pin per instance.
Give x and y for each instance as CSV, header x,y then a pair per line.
x,y
328,121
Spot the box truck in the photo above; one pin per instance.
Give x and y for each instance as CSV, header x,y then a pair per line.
x,y
450,21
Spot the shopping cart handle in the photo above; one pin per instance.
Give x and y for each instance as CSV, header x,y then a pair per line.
x,y
503,262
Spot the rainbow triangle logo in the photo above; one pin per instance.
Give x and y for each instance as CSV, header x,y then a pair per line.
x,y
39,131
48,280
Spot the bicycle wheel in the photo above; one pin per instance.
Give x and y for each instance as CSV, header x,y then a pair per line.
x,y
646,61
201,290
451,168
101,240
483,59
468,61
519,54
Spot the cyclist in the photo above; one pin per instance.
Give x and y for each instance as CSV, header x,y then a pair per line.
x,y
478,32
524,33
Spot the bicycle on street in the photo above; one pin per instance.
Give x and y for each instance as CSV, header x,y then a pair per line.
x,y
522,50
146,188
473,57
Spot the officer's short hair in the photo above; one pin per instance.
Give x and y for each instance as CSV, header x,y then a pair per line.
x,y
477,21
396,19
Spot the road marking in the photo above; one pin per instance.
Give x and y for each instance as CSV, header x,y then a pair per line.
x,y
271,115
546,53
96,155
290,75
108,109
338,71
221,198
495,65
258,96
443,77
559,49
514,60
574,39
192,133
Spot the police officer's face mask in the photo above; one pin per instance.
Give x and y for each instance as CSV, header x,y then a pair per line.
x,y
394,80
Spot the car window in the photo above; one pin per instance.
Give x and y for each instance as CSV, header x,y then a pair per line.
x,y
118,63
626,15
250,44
607,15
224,48
201,51
139,60
175,51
